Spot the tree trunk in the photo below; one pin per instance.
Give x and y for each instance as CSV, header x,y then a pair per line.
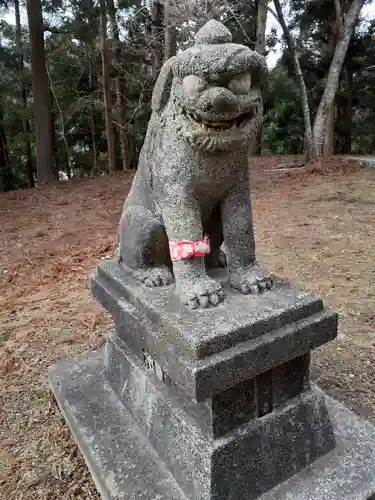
x,y
107,89
157,38
331,86
120,105
260,47
336,30
94,148
300,81
328,143
41,94
170,33
260,42
23,98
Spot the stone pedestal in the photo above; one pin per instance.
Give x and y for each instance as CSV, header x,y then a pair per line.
x,y
211,404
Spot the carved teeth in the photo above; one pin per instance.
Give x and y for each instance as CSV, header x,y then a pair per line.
x,y
222,124
218,125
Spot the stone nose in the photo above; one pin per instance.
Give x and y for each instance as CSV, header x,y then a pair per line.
x,y
221,100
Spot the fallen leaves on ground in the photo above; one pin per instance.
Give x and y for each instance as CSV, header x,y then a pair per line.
x,y
313,225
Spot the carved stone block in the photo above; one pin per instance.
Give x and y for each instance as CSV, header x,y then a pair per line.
x,y
232,417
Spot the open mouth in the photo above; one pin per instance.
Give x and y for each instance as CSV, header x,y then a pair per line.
x,y
220,124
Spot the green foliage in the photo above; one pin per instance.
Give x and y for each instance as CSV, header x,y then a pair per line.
x,y
314,23
363,96
11,109
73,56
283,126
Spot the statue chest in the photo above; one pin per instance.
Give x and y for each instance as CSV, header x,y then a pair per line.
x,y
212,178
178,168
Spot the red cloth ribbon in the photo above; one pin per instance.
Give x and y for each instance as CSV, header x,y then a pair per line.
x,y
182,249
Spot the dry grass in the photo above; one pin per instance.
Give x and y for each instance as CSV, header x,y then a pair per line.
x,y
314,226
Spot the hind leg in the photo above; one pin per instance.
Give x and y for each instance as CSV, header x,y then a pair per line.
x,y
143,247
217,257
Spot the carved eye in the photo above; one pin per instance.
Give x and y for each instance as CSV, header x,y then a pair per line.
x,y
194,84
240,84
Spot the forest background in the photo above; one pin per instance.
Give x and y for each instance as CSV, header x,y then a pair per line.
x,y
76,78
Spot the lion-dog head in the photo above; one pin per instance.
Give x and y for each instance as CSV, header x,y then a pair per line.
x,y
213,91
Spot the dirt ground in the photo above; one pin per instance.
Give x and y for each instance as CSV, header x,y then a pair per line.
x,y
314,226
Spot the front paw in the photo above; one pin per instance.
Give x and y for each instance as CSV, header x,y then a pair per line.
x,y
155,276
251,279
200,293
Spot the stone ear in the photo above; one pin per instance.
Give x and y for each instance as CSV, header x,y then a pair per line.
x,y
163,85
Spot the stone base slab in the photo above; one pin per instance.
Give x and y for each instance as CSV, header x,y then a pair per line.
x,y
124,465
250,458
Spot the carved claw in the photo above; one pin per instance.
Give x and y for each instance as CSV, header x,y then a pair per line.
x,y
200,293
252,279
155,276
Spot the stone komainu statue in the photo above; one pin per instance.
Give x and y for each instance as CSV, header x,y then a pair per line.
x,y
191,190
